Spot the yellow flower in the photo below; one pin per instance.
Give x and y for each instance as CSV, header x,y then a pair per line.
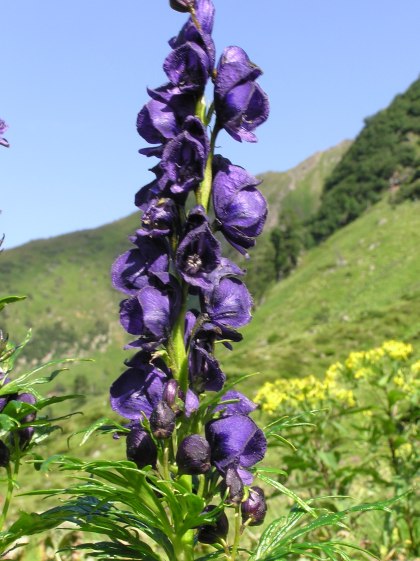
x,y
397,350
415,367
399,379
404,451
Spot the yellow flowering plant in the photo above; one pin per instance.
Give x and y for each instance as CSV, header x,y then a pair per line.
x,y
362,435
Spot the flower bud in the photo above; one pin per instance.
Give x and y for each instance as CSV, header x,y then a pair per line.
x,y
181,5
171,395
162,420
25,434
4,454
140,448
212,533
254,507
193,456
233,484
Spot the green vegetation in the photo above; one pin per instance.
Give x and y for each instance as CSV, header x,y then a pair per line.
x,y
359,288
385,156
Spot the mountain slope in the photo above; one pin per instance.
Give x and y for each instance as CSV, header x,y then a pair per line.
x,y
360,287
71,304
385,155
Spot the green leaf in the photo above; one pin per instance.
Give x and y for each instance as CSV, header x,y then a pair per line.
x,y
9,300
285,491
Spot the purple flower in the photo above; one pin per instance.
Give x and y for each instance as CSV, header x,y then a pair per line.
x,y
130,270
232,484
160,218
141,448
193,455
213,532
241,105
236,441
188,67
192,403
254,507
162,420
205,372
3,129
228,304
26,433
151,312
204,15
156,122
184,157
242,405
198,255
239,207
137,391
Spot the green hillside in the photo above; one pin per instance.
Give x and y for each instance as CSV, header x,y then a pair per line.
x,y
71,304
359,288
385,155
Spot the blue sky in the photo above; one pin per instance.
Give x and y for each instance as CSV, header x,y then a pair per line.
x,y
74,76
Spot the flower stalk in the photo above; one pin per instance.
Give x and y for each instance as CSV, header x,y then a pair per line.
x,y
183,296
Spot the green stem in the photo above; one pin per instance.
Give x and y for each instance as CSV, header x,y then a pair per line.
x,y
176,348
237,533
11,482
204,191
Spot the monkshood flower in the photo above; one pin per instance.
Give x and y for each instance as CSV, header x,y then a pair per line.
x,y
198,255
237,442
141,448
138,390
193,455
241,105
26,433
130,271
184,157
159,219
151,312
228,305
239,207
3,129
254,508
235,403
213,533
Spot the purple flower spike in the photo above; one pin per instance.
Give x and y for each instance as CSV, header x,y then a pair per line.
x,y
198,255
129,271
3,129
243,405
229,304
236,441
137,391
239,207
241,105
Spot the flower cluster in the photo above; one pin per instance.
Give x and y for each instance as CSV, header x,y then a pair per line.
x,y
306,393
182,296
3,129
